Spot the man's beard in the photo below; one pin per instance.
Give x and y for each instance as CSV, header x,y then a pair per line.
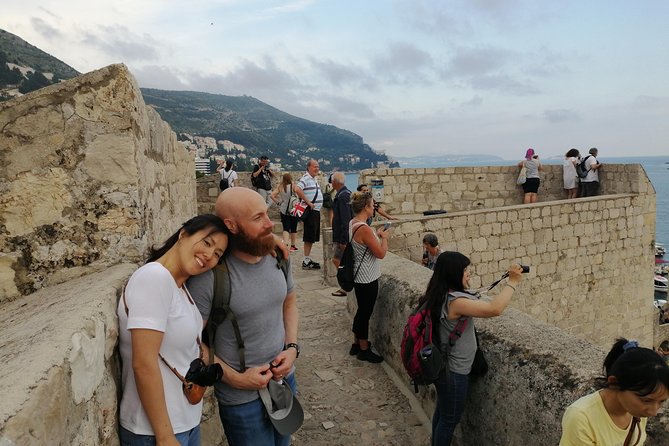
x,y
260,246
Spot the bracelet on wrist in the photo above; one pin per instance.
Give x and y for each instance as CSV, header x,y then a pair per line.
x,y
511,286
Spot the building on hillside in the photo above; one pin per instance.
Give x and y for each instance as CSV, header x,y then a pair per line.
x,y
203,165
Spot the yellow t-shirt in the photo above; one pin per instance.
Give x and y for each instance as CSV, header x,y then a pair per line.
x,y
586,422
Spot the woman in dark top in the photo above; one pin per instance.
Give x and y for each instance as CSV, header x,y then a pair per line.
x,y
448,302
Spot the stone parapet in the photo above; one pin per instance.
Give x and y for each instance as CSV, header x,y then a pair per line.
x,y
590,259
414,191
536,369
90,177
60,363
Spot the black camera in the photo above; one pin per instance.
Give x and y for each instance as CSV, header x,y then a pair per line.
x,y
526,268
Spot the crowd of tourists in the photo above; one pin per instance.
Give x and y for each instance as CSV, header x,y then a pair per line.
x,y
215,305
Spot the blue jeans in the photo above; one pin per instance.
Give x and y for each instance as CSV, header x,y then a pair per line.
x,y
188,438
248,424
451,396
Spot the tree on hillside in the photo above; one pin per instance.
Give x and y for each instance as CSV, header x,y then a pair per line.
x,y
34,82
7,76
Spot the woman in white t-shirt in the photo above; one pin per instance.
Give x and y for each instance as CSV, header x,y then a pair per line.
x,y
228,176
569,176
159,324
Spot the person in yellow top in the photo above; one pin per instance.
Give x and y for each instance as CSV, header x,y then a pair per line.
x,y
634,388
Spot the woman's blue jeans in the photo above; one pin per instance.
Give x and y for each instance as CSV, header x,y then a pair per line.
x,y
451,395
188,438
248,424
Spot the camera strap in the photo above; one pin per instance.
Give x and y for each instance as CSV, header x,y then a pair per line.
x,y
494,284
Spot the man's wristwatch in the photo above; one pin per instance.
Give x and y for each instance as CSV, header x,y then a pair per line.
x,y
295,346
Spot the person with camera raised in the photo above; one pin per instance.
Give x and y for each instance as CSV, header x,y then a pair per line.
x,y
159,333
453,307
261,179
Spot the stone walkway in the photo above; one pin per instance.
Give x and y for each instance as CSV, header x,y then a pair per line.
x,y
346,401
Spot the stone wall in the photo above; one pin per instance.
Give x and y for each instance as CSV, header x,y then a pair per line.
x,y
60,364
89,177
536,370
413,191
60,361
591,259
208,190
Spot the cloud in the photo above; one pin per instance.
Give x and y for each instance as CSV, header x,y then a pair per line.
x,y
247,78
560,115
431,18
403,63
160,76
473,102
338,73
289,7
43,28
117,41
469,61
489,69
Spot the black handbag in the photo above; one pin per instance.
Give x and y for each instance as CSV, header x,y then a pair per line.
x,y
480,365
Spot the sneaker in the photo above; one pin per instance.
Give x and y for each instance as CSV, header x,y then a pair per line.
x,y
310,265
355,349
293,248
369,356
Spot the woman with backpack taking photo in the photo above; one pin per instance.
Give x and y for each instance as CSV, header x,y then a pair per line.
x,y
634,387
448,303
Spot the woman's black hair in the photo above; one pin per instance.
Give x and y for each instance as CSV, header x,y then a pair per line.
x,y
228,165
573,153
637,369
360,186
448,272
195,224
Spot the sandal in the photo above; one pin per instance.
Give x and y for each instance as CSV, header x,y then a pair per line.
x,y
340,293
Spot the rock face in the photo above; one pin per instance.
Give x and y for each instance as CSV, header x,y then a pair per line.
x,y
89,177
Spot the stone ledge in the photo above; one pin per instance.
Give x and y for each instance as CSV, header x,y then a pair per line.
x,y
59,364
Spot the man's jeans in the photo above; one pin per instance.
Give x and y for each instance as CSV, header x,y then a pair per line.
x,y
188,438
451,396
248,424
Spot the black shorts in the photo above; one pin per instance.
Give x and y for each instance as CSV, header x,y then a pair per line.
x,y
312,227
289,223
531,185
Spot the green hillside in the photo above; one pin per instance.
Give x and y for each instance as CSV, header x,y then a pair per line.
x,y
22,53
261,128
243,120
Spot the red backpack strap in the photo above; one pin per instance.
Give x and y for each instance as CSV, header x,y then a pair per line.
x,y
459,328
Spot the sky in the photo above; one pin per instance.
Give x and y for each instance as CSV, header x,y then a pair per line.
x,y
415,77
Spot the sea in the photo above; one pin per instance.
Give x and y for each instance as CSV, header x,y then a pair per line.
x,y
656,167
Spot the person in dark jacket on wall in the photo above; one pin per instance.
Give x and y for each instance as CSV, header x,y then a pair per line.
x,y
342,217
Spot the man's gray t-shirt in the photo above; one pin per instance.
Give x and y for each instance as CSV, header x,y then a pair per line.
x,y
258,292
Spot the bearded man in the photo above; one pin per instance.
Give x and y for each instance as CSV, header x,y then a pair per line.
x,y
265,305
